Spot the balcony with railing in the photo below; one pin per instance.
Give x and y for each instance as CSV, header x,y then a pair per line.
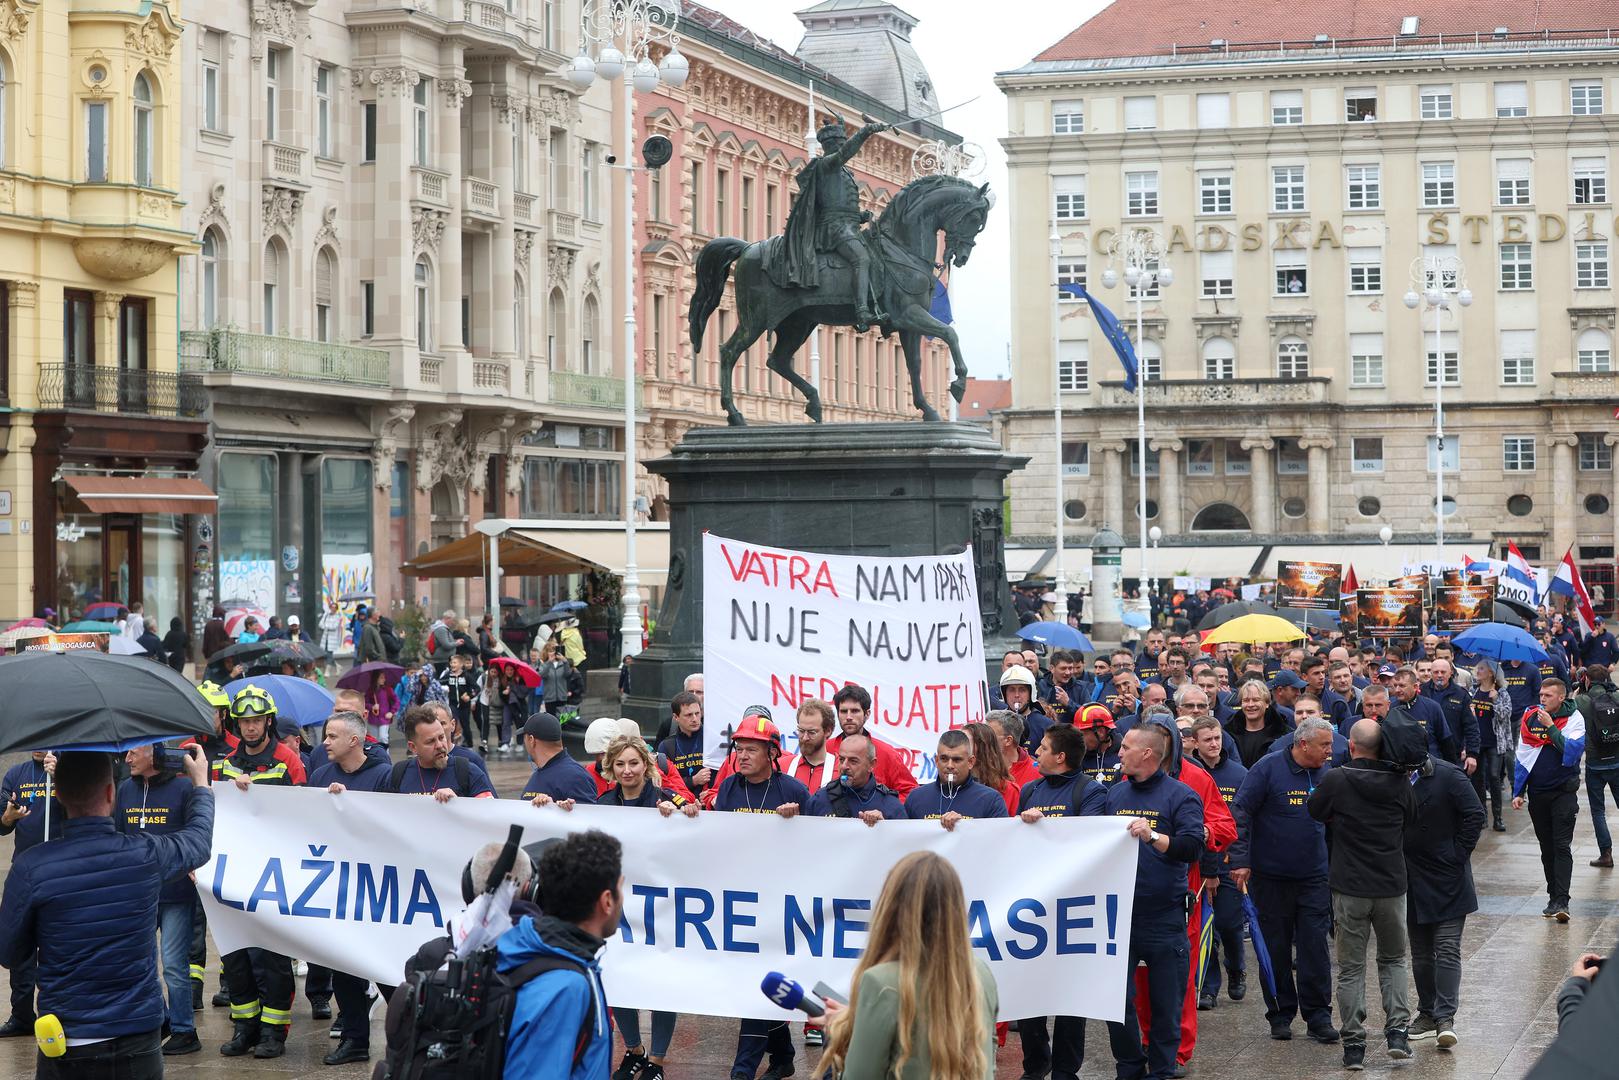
x,y
491,377
598,391
1207,393
91,388
238,353
285,163
431,186
523,208
484,13
480,198
1596,386
563,227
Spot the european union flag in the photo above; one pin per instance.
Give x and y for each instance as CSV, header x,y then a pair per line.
x,y
1111,330
940,308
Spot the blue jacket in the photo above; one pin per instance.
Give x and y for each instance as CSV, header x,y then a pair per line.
x,y
1276,836
737,794
1340,748
1442,742
24,784
374,751
88,904
1173,809
1337,708
873,796
1523,686
1457,705
1228,775
561,778
372,775
1600,649
551,1008
1069,794
971,800
157,805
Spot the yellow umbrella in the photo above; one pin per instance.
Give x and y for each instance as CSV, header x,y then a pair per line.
x,y
1251,629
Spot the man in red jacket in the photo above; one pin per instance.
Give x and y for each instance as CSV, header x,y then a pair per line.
x,y
853,704
1220,831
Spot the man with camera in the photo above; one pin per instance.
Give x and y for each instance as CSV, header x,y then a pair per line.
x,y
1555,734
88,905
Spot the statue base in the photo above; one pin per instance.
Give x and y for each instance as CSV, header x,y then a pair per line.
x,y
838,489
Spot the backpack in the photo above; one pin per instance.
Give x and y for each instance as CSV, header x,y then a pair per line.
x,y
449,1020
1405,741
463,774
1603,723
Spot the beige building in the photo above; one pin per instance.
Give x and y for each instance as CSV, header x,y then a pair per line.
x,y
403,302
1294,185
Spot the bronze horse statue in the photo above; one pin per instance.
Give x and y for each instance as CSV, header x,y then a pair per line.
x,y
903,242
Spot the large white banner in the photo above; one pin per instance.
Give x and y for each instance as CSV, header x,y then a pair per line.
x,y
359,881
781,626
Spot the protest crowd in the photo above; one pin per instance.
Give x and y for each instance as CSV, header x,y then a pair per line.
x,y
1296,795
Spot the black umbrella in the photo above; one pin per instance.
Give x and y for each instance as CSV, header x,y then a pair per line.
x,y
1226,612
243,651
299,652
511,601
88,700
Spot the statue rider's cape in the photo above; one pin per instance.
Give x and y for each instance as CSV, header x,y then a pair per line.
x,y
795,267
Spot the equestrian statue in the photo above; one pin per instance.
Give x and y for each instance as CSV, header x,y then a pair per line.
x,y
835,266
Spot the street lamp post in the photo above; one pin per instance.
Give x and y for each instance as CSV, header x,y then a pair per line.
x,y
1143,254
623,33
1443,283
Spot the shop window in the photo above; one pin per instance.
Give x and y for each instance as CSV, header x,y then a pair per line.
x,y
345,506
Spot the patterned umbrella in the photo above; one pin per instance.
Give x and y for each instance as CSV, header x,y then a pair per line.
x,y
1205,939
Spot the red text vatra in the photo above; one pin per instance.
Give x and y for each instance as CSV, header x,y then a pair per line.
x,y
777,570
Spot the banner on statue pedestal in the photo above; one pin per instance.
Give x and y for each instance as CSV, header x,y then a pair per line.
x,y
358,881
782,626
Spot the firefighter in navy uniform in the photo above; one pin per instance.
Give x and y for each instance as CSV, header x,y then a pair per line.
x,y
260,982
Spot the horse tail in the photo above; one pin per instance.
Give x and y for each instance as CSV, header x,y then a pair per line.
x,y
713,267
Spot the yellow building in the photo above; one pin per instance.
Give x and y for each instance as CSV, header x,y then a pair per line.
x,y
101,433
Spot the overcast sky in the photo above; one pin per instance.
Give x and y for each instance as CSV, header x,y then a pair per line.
x,y
963,43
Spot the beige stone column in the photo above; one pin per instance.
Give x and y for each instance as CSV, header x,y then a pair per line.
x,y
1563,471
1613,496
1261,484
1169,484
1319,492
1112,485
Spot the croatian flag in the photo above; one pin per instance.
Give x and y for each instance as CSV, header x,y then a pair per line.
x,y
1530,745
1566,582
1519,570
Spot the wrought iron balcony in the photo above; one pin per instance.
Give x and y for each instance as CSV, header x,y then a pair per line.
x,y
105,389
283,358
602,391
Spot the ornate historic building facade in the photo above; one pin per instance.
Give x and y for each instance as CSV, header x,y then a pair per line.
x,y
398,303
102,437
1297,184
739,130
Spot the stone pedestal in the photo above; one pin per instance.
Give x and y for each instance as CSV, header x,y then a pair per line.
x,y
838,489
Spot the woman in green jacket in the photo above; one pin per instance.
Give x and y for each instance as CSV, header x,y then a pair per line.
x,y
922,1005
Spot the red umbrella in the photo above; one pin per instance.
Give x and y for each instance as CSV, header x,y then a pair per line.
x,y
518,670
21,623
1225,593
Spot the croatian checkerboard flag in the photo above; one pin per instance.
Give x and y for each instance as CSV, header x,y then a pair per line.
x,y
1566,582
1518,568
1530,745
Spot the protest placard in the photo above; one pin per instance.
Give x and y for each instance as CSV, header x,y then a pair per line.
x,y
63,643
358,881
781,626
1389,613
1308,586
1459,607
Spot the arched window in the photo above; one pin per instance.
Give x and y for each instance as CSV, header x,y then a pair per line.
x,y
145,140
556,326
520,319
587,336
1220,517
1594,351
1292,358
4,70
1219,359
1152,361
424,305
325,295
210,267
275,273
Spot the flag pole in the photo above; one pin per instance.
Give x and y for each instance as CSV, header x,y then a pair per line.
x,y
1060,584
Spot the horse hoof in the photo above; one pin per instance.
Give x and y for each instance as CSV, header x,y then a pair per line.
x,y
736,419
958,390
930,415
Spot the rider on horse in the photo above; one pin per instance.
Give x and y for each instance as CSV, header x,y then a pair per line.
x,y
827,217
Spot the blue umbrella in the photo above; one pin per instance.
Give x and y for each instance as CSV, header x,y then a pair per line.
x,y
1500,641
305,702
1267,975
1056,635
567,607
1138,619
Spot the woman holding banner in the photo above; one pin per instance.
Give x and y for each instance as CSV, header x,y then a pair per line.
x,y
921,1005
631,766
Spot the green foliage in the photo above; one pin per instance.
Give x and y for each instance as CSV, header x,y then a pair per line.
x,y
411,622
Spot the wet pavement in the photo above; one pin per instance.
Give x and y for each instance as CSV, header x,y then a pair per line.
x,y
1514,960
